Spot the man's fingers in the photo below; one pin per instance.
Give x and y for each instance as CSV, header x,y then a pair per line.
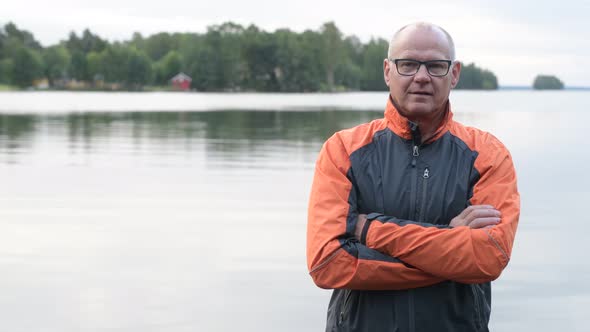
x,y
472,208
482,206
482,213
473,212
484,222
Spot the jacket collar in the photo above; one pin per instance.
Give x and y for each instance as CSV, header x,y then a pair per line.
x,y
402,127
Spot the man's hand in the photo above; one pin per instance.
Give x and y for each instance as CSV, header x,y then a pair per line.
x,y
477,216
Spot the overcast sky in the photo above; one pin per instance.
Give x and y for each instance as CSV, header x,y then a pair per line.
x,y
515,39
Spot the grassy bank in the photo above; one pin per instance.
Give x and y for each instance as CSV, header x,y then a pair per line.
x,y
6,87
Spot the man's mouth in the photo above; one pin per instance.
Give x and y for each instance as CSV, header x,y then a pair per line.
x,y
422,93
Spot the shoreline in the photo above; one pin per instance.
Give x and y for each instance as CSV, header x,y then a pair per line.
x,y
465,101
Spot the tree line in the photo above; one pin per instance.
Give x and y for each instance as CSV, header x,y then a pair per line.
x,y
227,57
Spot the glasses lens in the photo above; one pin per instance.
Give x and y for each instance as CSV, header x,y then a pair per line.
x,y
438,68
407,67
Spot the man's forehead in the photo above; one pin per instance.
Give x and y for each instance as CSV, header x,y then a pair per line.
x,y
421,41
424,28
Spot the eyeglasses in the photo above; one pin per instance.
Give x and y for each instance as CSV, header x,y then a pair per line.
x,y
409,67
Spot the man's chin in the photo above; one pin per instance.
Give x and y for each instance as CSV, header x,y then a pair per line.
x,y
420,109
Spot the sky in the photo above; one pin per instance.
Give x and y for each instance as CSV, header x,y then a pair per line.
x,y
516,40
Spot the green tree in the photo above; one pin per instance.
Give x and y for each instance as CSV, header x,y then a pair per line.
x,y
297,65
24,37
204,76
347,75
375,51
138,41
259,55
547,82
473,77
123,64
78,68
28,66
94,66
191,47
226,43
56,59
331,51
19,56
6,71
3,39
156,46
289,60
113,60
218,64
139,69
86,43
170,65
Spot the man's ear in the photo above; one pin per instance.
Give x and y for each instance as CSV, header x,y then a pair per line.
x,y
455,73
386,69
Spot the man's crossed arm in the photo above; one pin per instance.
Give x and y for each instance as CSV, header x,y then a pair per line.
x,y
388,253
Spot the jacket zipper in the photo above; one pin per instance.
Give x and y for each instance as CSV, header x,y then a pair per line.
x,y
345,306
476,297
412,321
414,192
417,142
425,177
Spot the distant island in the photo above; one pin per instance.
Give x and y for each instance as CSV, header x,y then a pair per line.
x,y
547,82
228,57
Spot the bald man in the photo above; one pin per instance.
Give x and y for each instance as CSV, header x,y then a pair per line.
x,y
413,215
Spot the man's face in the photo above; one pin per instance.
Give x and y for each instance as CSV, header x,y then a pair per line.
x,y
420,96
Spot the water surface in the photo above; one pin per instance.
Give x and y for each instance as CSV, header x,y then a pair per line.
x,y
194,220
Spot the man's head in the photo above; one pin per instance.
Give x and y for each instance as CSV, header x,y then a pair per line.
x,y
422,95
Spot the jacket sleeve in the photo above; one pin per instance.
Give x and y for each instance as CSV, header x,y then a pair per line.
x,y
461,254
335,258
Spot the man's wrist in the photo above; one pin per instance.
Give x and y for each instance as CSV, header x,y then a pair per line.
x,y
365,231
360,226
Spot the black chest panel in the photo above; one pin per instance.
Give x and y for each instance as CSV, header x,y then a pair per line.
x,y
432,184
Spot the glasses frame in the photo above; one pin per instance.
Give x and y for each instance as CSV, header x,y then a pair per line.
x,y
420,63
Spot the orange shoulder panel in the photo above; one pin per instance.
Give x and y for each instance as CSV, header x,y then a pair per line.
x,y
328,204
497,183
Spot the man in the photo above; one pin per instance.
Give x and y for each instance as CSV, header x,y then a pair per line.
x,y
411,216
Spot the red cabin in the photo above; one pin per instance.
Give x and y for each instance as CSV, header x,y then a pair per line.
x,y
181,82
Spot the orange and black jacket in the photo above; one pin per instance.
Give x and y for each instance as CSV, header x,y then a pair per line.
x,y
409,271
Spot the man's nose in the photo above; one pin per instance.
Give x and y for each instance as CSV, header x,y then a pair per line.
x,y
422,74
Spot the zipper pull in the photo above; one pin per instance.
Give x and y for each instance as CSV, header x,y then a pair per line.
x,y
426,173
415,153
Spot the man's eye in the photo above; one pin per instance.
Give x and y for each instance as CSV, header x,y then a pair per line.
x,y
407,64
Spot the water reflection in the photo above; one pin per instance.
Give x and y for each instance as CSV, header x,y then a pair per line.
x,y
16,134
224,134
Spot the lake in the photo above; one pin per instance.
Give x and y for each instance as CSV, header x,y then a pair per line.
x,y
187,211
